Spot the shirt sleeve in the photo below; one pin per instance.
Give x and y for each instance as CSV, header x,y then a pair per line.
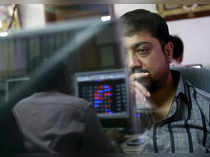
x,y
94,139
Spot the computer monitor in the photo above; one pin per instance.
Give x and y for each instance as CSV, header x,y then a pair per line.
x,y
13,84
106,91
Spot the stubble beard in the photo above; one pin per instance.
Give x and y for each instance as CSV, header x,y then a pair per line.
x,y
155,85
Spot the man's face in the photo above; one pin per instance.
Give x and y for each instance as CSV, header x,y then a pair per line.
x,y
145,52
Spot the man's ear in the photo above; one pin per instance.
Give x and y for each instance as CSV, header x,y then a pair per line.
x,y
169,50
180,58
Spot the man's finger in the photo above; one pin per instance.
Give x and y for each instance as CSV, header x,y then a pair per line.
x,y
137,87
135,76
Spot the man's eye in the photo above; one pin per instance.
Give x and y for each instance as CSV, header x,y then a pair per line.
x,y
143,51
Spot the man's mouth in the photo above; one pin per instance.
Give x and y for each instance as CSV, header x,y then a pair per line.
x,y
145,81
139,70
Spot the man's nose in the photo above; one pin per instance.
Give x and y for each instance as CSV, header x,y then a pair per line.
x,y
134,61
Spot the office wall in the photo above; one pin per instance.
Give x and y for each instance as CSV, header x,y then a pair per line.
x,y
32,15
195,33
14,62
196,37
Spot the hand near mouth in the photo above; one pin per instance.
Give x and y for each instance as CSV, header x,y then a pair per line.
x,y
137,87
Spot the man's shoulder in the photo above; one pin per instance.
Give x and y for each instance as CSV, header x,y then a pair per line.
x,y
203,93
53,100
199,77
201,99
199,92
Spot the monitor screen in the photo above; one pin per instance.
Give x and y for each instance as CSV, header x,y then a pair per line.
x,y
12,86
106,91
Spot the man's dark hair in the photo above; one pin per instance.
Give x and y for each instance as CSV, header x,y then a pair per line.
x,y
55,79
143,20
178,46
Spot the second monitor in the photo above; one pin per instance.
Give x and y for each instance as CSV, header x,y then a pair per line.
x,y
106,91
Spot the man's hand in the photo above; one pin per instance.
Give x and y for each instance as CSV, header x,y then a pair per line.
x,y
137,88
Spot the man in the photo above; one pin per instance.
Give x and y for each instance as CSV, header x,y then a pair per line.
x,y
178,50
177,115
52,121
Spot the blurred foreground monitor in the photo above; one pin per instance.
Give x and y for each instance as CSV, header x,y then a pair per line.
x,y
85,46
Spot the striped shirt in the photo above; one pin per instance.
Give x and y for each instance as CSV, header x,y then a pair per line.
x,y
187,127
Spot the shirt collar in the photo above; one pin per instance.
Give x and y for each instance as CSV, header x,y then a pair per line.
x,y
180,89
